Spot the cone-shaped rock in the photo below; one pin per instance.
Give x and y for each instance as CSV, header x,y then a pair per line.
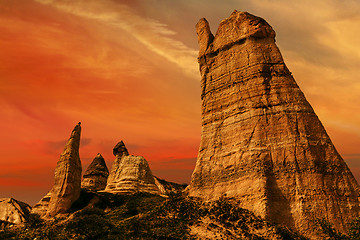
x,y
130,174
120,150
13,211
261,141
66,189
96,175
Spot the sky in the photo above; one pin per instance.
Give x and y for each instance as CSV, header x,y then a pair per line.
x,y
127,69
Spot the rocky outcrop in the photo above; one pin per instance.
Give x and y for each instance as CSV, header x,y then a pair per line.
x,y
130,174
261,141
96,175
13,211
66,189
166,187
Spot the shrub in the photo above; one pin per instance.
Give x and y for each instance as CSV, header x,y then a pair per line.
x,y
328,229
354,231
89,224
33,220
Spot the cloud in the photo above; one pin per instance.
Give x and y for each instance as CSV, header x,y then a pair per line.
x,y
155,35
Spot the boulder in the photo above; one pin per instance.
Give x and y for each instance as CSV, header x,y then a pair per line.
x,y
13,211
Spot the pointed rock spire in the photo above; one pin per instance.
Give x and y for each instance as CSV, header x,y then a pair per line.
x,y
261,141
120,150
205,37
66,188
96,175
130,174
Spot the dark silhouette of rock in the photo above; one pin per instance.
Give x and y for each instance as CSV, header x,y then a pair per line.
x,y
120,150
13,211
261,141
96,175
66,189
130,174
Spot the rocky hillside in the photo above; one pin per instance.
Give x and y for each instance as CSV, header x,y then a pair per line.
x,y
147,216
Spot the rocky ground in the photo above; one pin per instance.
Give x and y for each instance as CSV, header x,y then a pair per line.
x,y
147,216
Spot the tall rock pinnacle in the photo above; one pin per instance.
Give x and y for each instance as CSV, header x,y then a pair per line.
x,y
130,174
261,141
95,176
66,189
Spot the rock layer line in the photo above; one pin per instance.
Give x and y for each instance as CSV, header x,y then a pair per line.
x,y
130,174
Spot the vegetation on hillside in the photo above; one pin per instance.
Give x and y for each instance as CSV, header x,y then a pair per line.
x,y
328,229
146,216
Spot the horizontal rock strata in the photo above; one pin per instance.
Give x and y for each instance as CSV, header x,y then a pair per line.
x,y
130,174
261,141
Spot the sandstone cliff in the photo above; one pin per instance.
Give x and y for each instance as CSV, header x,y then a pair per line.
x,y
95,176
261,141
13,211
66,189
130,174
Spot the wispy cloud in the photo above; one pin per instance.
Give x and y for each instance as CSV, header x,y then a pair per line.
x,y
153,34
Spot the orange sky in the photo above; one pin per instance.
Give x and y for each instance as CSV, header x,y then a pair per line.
x,y
128,71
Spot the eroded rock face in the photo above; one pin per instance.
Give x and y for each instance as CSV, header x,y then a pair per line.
x,y
13,211
130,174
96,175
66,189
261,141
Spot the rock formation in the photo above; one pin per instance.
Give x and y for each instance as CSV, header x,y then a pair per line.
x,y
261,141
96,174
13,211
166,187
66,189
130,174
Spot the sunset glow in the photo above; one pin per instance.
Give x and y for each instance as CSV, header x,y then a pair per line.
x,y
128,71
